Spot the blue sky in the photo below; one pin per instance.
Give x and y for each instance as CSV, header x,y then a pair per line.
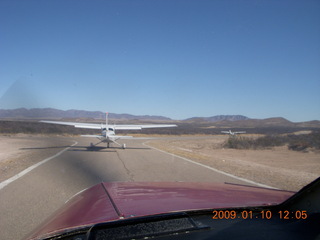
x,y
176,58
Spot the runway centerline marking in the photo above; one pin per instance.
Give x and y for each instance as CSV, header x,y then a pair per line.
x,y
213,169
29,169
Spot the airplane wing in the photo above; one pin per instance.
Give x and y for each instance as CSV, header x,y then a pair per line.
x,y
116,127
139,127
225,131
92,136
240,132
77,124
113,136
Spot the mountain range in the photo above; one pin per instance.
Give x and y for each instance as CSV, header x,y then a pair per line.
x,y
51,113
217,121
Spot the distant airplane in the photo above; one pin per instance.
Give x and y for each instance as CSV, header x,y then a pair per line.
x,y
108,131
233,133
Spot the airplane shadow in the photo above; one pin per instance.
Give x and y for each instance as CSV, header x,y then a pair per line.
x,y
104,149
88,148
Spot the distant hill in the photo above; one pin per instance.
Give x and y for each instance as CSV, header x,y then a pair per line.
x,y
51,113
218,118
268,122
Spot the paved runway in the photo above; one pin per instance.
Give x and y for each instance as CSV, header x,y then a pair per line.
x,y
27,201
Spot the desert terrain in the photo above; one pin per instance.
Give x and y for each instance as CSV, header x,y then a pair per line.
x,y
277,167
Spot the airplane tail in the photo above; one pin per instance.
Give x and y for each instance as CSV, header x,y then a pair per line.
x,y
109,129
104,129
107,119
107,122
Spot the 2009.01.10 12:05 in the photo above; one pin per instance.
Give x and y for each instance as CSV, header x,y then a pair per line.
x,y
264,214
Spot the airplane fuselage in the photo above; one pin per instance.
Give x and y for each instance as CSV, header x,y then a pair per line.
x,y
108,135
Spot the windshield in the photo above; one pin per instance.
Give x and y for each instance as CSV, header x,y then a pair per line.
x,y
190,91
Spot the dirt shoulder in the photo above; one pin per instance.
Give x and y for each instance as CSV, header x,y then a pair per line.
x,y
19,151
278,167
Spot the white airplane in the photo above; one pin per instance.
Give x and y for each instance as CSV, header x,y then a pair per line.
x,y
233,133
108,131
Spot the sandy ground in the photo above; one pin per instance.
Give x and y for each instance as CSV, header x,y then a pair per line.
x,y
278,167
17,152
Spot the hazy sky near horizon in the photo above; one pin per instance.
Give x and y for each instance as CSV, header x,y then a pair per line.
x,y
176,58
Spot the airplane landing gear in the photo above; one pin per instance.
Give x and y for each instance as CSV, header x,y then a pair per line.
x,y
124,146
